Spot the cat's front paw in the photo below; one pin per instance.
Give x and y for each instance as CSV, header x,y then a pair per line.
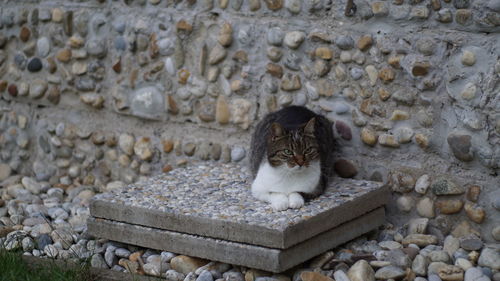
x,y
295,200
279,202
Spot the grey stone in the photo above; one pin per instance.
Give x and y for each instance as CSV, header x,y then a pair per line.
x,y
51,251
43,46
390,272
96,48
461,4
419,265
43,240
122,253
356,73
404,97
274,260
473,274
173,275
98,261
293,6
460,145
490,257
120,43
147,102
494,5
275,36
85,84
344,42
445,186
340,275
471,243
110,257
237,154
205,276
434,277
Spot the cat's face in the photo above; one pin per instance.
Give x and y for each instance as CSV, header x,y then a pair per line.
x,y
295,148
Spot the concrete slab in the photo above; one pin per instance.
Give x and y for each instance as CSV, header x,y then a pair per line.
x,y
274,260
215,201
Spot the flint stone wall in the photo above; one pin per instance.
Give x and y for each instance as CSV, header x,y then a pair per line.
x,y
104,92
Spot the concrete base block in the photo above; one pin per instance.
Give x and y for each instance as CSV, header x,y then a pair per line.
x,y
253,256
215,201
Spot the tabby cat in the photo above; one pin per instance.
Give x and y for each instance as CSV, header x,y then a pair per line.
x,y
291,157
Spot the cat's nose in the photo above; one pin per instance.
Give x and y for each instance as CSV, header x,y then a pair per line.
x,y
299,159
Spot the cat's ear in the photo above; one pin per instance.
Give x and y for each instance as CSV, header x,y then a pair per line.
x,y
276,130
309,127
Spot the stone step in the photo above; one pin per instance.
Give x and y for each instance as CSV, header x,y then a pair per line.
x,y
253,256
215,201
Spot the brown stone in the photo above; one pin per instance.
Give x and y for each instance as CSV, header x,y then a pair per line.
x,y
366,107
420,68
63,55
368,136
241,56
387,75
225,35
3,85
222,111
365,42
395,60
383,94
388,140
12,89
451,273
275,70
24,34
253,274
449,207
135,256
475,212
274,5
291,82
314,276
473,193
185,264
167,168
183,76
323,53
130,266
345,168
172,105
184,27
168,146
52,66
463,229
463,16
117,65
422,140
254,5
436,5
54,95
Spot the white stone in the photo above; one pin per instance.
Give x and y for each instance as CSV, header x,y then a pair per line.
x,y
293,39
422,184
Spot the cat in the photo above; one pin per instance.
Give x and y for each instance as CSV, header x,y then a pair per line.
x,y
291,151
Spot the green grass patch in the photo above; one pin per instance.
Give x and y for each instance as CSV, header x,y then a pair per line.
x,y
14,268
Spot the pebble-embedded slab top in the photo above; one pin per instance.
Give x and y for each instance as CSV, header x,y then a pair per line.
x,y
215,200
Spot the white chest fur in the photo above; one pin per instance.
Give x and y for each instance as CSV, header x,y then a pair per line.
x,y
286,180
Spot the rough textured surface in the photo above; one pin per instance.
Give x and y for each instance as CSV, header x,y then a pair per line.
x,y
198,75
215,201
269,259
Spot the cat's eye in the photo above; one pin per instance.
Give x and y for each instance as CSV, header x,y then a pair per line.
x,y
308,150
287,152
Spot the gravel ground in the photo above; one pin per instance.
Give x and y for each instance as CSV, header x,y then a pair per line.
x,y
47,221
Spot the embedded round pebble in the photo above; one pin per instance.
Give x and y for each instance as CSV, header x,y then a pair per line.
x,y
35,65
